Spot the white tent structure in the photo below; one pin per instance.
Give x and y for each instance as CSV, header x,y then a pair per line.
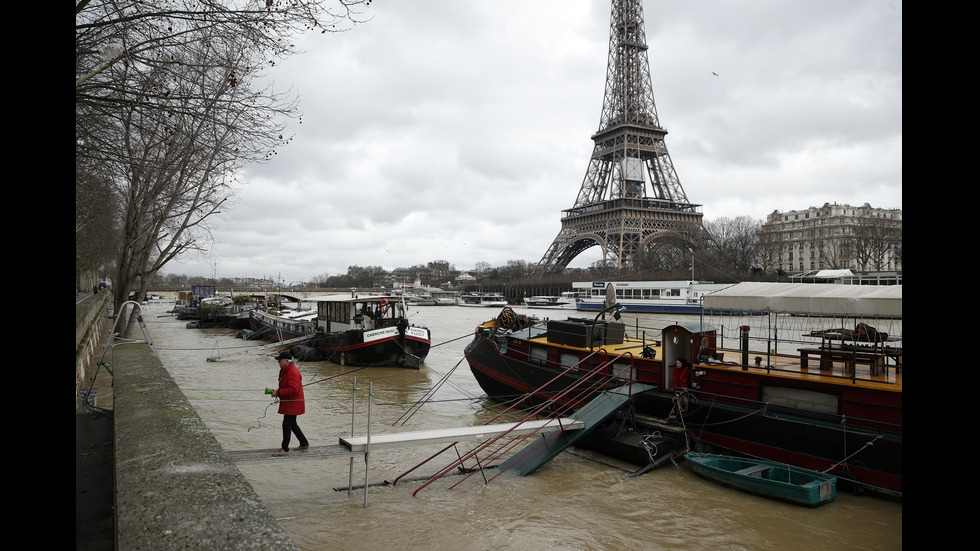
x,y
815,299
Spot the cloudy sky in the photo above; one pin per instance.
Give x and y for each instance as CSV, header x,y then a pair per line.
x,y
458,130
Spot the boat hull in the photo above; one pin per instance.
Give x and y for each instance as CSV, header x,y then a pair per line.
x,y
386,347
277,329
658,307
483,300
727,411
765,478
544,305
641,307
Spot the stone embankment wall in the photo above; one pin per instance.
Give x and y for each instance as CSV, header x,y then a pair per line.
x,y
92,325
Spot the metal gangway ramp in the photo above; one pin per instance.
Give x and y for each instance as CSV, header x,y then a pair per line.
x,y
547,447
455,434
610,391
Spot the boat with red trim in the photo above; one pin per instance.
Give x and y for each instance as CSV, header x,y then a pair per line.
x,y
369,331
753,390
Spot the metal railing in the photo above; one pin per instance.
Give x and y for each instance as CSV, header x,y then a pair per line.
x,y
554,405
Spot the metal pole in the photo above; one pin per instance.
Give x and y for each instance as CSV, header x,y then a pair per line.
x,y
367,447
745,347
353,403
771,344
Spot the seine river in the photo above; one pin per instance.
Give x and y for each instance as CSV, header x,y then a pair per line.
x,y
576,502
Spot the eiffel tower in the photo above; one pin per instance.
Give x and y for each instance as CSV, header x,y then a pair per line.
x,y
613,209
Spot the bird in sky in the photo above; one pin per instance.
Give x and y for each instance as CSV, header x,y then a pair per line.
x,y
714,73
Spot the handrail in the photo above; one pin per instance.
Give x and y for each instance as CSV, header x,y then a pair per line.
x,y
596,384
533,413
111,342
793,364
594,406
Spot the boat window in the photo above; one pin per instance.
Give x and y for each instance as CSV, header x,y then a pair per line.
x,y
539,354
796,398
568,360
339,312
621,370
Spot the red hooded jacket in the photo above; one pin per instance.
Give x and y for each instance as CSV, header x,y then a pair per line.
x,y
290,393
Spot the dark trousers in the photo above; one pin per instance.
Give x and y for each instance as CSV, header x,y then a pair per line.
x,y
289,428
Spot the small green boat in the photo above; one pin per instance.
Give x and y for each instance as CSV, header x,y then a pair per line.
x,y
766,478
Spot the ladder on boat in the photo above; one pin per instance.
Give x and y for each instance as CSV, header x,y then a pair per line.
x,y
263,348
596,382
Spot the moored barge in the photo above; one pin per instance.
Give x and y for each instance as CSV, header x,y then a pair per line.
x,y
828,398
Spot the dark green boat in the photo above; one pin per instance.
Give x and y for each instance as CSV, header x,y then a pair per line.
x,y
766,478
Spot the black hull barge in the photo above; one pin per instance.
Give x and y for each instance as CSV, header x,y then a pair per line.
x,y
828,400
285,326
369,331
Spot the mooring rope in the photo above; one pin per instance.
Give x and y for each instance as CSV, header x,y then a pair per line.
x,y
859,450
428,394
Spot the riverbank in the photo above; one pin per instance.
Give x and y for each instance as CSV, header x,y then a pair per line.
x,y
150,475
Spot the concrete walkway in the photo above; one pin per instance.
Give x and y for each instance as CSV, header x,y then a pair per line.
x,y
150,475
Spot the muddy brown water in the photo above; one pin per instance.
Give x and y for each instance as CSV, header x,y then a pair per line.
x,y
578,501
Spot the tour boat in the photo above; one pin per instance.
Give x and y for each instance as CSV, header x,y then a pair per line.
x,y
751,392
566,301
492,300
669,297
369,331
427,296
444,298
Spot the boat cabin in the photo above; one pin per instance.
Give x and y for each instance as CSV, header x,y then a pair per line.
x,y
648,290
343,313
695,342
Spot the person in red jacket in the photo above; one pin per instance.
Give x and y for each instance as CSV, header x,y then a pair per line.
x,y
291,403
682,375
681,382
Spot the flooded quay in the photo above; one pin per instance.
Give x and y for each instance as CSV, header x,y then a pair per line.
x,y
578,501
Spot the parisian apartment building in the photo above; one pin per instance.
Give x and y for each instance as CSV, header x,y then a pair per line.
x,y
833,236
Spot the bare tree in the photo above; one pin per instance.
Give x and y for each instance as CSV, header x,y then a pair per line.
x,y
836,253
168,107
96,219
733,242
767,247
482,267
876,239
